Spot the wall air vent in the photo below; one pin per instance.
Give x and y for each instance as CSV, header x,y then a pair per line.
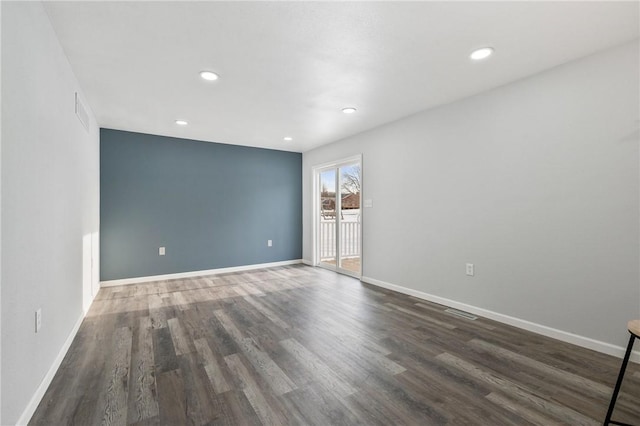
x,y
462,314
81,112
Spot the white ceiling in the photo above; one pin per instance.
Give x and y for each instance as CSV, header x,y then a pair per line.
x,y
288,68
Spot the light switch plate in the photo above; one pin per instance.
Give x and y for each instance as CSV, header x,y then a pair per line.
x,y
470,270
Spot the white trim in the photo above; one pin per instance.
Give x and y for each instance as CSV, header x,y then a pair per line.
x,y
308,262
575,339
46,381
341,162
137,280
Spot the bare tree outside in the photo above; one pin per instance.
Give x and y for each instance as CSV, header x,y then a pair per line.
x,y
324,192
351,180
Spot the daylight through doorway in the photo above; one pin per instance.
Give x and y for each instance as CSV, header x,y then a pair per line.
x,y
339,219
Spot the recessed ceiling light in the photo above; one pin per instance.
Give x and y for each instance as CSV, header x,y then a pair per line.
x,y
181,123
482,53
348,110
209,75
288,138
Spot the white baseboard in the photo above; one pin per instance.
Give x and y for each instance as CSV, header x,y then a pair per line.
x,y
585,342
308,262
179,275
46,381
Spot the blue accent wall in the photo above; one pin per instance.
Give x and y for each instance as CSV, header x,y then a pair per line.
x,y
211,205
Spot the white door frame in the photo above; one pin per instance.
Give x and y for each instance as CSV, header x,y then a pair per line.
x,y
317,169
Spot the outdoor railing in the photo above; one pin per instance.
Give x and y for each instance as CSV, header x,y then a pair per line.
x,y
349,244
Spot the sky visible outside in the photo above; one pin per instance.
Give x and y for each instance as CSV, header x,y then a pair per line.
x,y
328,178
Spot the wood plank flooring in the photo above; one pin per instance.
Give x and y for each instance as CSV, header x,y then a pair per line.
x,y
299,345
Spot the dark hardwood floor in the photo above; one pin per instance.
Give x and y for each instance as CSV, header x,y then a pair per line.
x,y
301,345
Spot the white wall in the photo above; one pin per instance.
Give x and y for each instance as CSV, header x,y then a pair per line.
x,y
50,202
536,183
0,224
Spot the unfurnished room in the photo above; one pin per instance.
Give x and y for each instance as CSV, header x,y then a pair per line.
x,y
320,213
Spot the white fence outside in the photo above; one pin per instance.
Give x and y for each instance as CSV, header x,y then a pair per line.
x,y
349,242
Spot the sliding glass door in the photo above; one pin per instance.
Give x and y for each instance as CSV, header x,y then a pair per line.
x,y
339,217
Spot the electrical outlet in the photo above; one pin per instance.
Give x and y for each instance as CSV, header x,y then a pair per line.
x,y
269,243
470,269
161,251
38,319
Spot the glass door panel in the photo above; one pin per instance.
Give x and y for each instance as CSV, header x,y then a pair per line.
x,y
328,229
350,218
